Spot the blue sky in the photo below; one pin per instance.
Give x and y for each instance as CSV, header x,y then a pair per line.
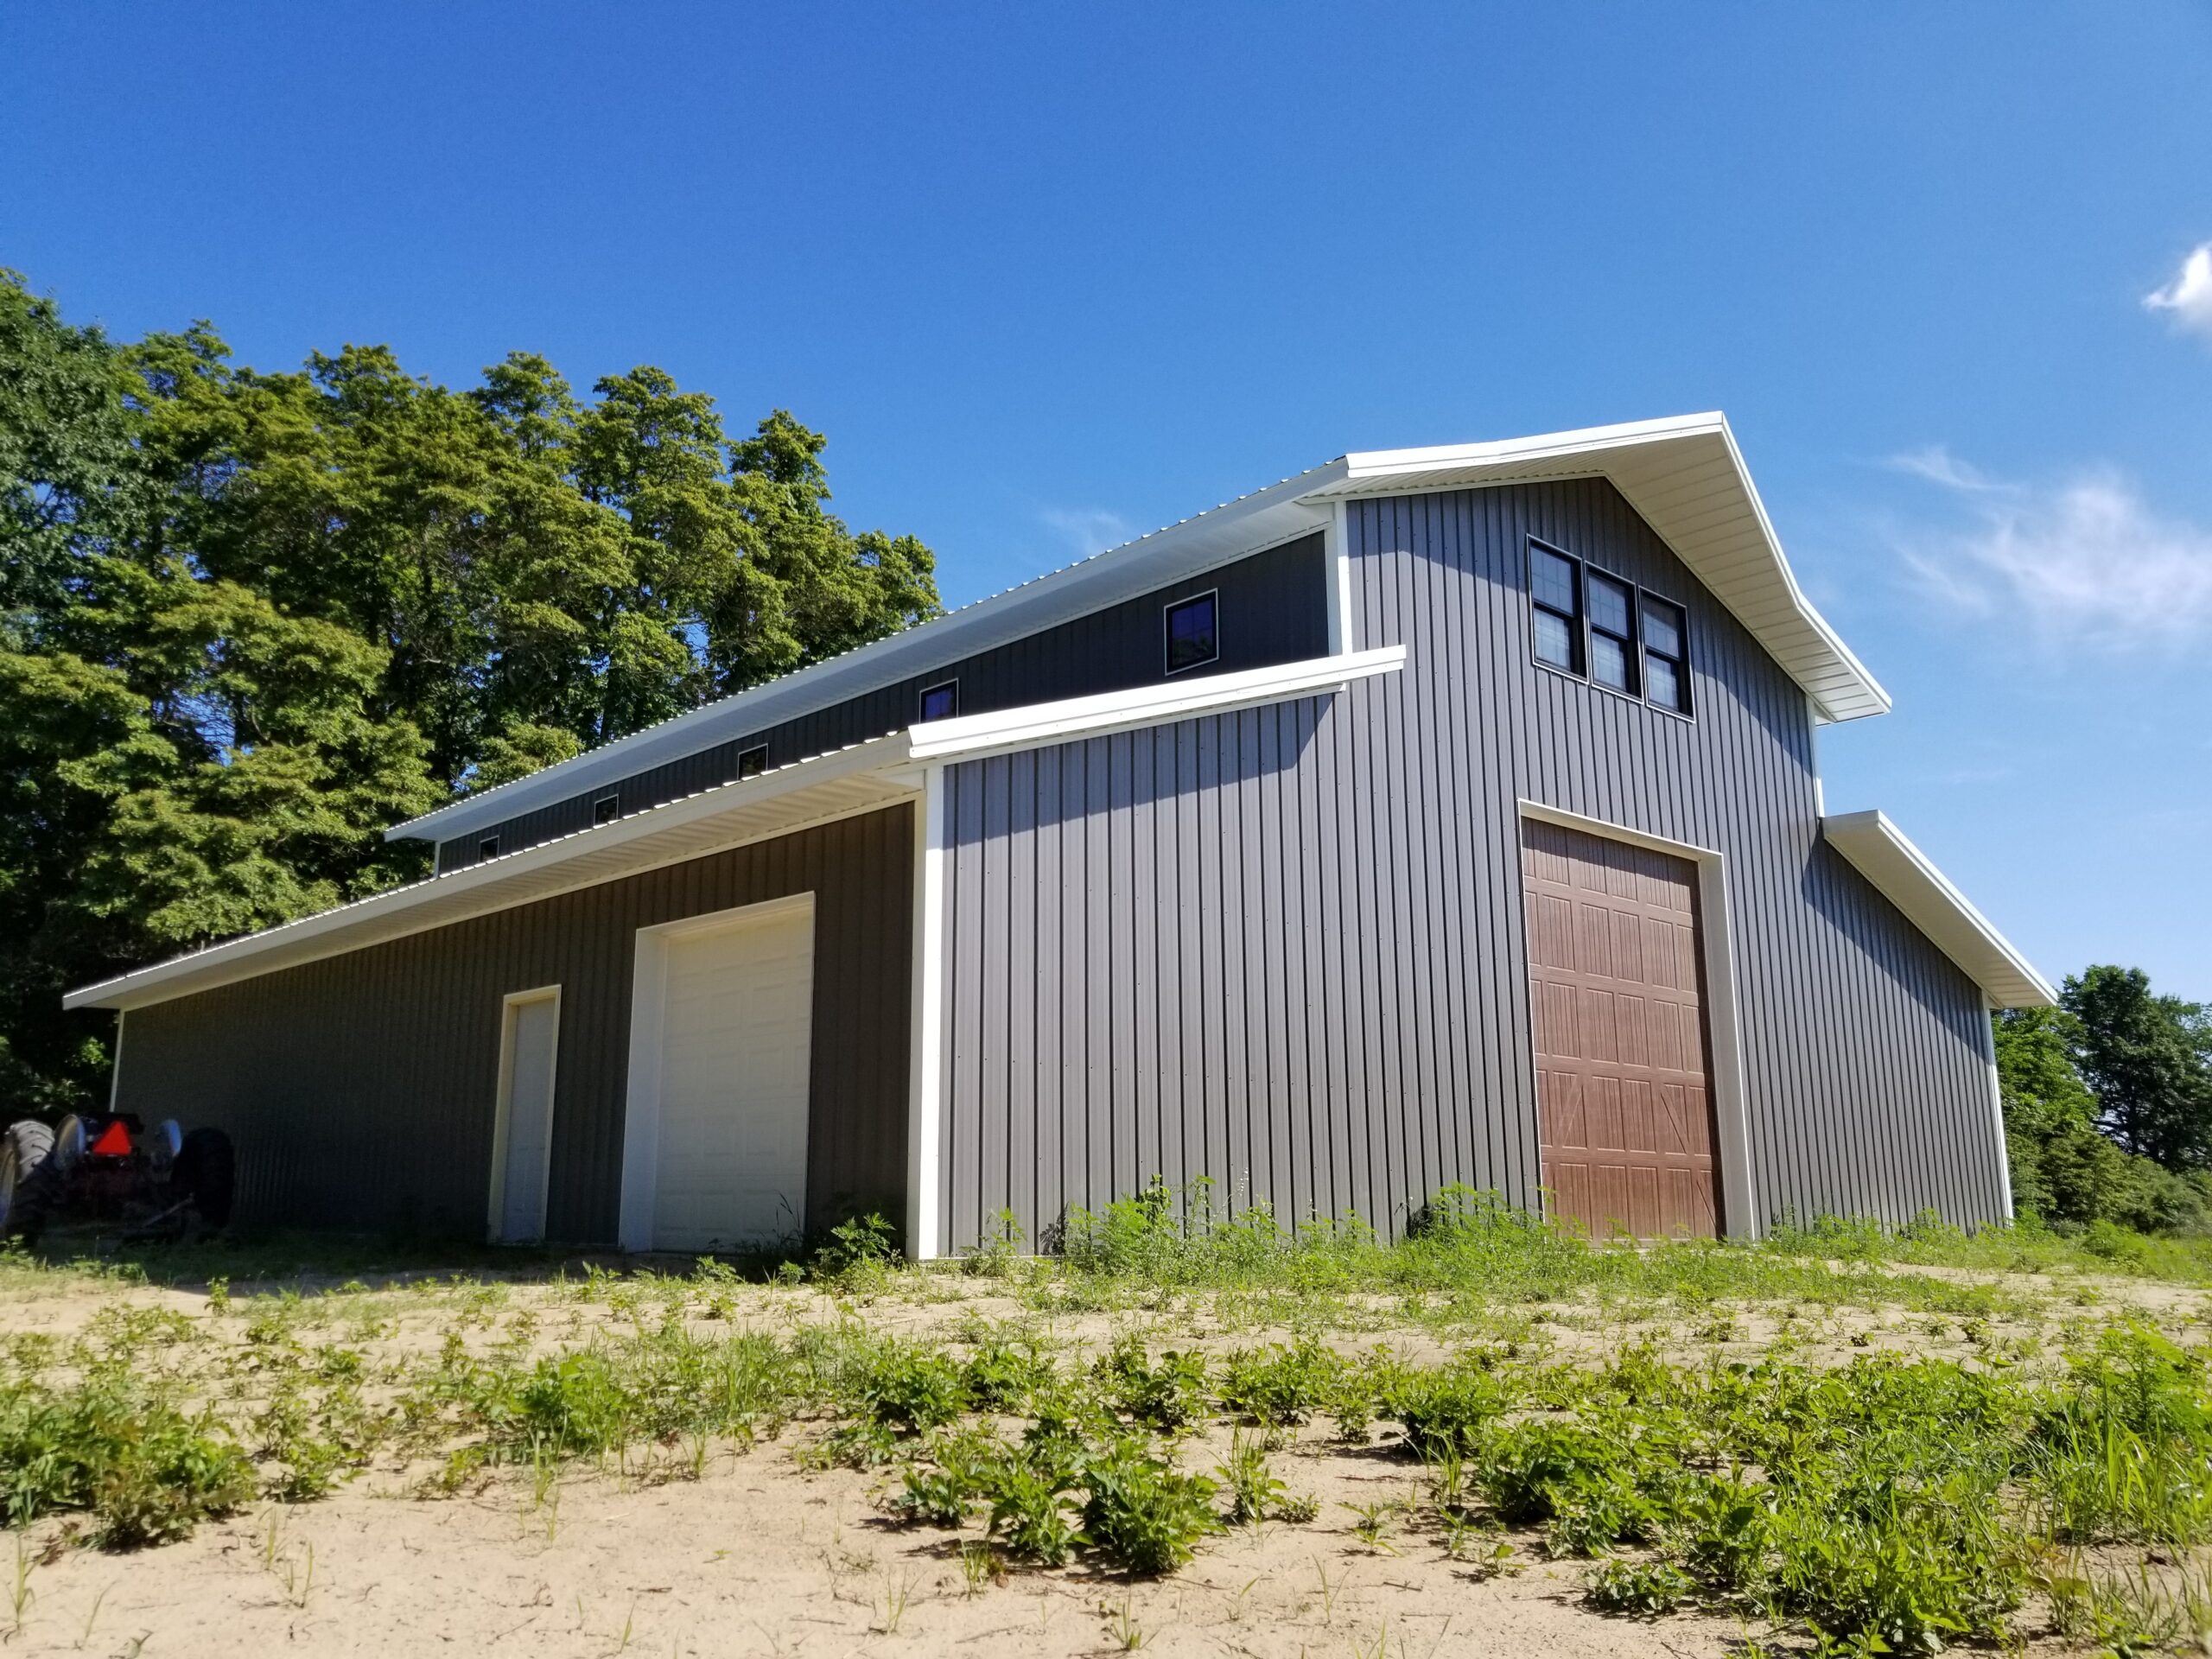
x,y
1050,274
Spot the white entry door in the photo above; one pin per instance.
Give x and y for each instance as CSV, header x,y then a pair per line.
x,y
736,1006
523,1139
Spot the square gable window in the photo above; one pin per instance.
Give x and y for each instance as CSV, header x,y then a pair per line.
x,y
606,808
1192,640
940,702
487,847
752,762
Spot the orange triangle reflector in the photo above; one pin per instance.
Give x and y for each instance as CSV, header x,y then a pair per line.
x,y
114,1141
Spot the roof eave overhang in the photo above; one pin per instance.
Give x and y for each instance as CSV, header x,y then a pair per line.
x,y
1252,524
1684,475
866,777
1909,879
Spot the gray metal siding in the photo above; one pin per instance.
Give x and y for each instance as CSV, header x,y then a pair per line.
x,y
1284,949
361,1088
1274,609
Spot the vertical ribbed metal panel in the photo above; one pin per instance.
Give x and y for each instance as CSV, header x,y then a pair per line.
x,y
1273,609
361,1088
1284,949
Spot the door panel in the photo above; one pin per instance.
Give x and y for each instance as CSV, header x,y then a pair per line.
x,y
736,1026
1625,1112
532,1036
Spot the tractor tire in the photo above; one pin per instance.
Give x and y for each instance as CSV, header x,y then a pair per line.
x,y
25,1177
68,1141
206,1172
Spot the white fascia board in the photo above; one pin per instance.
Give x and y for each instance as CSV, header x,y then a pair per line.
x,y
1236,530
864,777
1907,879
971,737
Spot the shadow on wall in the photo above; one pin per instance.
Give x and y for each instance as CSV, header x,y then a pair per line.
x,y
1129,770
1876,934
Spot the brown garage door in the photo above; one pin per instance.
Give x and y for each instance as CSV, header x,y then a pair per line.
x,y
1615,965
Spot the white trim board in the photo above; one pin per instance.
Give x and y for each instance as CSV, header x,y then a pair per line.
x,y
1908,878
925,1054
641,1100
1741,1218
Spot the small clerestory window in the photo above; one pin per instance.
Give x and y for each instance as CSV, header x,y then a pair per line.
x,y
607,808
487,847
939,701
1193,639
752,762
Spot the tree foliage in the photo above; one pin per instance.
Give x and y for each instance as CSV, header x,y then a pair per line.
x,y
249,620
2107,1104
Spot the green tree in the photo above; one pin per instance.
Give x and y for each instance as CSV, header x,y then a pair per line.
x,y
2148,1060
248,620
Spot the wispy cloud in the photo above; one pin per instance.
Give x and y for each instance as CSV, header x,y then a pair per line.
x,y
1087,530
2087,563
2188,298
1939,466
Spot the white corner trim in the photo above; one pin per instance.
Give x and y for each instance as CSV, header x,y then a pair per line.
x,y
1741,1216
641,1099
1997,1104
503,1107
925,1038
1338,553
1909,879
973,736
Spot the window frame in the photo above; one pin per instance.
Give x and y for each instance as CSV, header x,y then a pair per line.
x,y
746,754
613,802
487,848
1631,647
1581,628
1681,662
1577,623
922,699
1211,596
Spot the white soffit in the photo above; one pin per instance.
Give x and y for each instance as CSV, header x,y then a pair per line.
x,y
1906,878
881,773
1686,477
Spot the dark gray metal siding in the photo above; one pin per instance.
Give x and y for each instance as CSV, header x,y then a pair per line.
x,y
1274,609
1284,949
361,1088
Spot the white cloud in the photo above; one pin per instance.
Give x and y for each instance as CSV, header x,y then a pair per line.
x,y
2085,563
1939,466
2189,297
1087,530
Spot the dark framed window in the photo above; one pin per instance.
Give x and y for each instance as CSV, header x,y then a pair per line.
x,y
1612,608
1605,628
1192,638
940,702
487,847
1666,655
1555,597
752,762
606,808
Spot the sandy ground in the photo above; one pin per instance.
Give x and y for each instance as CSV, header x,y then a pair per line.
x,y
760,1555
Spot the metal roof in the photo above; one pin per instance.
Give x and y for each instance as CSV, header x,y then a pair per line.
x,y
1683,473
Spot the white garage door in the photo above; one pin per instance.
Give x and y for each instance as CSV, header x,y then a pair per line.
x,y
735,1017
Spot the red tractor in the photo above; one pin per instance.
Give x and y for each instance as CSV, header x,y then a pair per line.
x,y
157,1183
